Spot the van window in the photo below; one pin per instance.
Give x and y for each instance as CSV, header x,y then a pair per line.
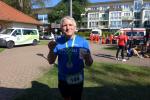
x,y
29,32
95,32
131,33
7,31
17,32
34,32
141,34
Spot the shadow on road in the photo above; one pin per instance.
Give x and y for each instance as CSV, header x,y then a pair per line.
x,y
105,56
41,55
40,91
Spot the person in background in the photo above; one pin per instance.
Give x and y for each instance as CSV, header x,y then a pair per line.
x,y
73,54
111,38
121,42
133,51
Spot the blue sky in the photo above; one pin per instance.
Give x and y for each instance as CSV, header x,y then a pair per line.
x,y
93,1
54,2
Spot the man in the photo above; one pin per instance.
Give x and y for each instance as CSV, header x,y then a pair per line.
x,y
72,52
121,41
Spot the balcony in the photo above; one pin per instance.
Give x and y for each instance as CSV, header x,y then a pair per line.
x,y
115,9
103,27
125,18
84,19
115,26
104,18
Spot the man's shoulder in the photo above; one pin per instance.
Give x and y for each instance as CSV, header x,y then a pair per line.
x,y
80,38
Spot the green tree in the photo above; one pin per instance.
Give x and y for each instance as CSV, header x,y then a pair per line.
x,y
22,5
62,9
26,5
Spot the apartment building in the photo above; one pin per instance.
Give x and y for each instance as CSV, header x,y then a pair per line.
x,y
114,15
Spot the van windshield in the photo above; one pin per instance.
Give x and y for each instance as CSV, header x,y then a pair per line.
x,y
7,31
135,33
94,32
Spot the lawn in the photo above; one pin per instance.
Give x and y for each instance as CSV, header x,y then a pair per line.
x,y
110,47
44,42
2,49
103,81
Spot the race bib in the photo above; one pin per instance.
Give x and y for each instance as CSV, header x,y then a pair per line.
x,y
74,79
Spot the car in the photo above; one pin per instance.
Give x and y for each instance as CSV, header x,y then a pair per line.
x,y
48,36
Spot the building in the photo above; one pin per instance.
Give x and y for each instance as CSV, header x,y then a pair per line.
x,y
10,17
111,16
41,15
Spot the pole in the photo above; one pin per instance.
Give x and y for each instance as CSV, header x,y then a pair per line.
x,y
70,6
132,40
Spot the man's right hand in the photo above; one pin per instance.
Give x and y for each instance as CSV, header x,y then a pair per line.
x,y
52,45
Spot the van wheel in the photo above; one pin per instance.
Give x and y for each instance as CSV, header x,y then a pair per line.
x,y
35,42
10,44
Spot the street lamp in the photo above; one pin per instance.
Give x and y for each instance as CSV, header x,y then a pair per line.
x,y
70,6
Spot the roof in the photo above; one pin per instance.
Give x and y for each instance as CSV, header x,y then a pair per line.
x,y
10,14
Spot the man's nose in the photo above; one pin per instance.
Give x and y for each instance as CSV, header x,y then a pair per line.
x,y
67,26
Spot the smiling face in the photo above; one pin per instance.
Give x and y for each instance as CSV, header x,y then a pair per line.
x,y
68,26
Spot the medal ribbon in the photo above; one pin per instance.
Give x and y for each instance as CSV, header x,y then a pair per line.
x,y
69,52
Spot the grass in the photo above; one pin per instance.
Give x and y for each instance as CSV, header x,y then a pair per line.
x,y
2,49
110,47
43,42
103,81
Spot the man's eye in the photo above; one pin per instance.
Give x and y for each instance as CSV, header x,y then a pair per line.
x,y
64,25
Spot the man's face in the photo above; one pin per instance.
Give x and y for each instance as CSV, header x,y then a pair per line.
x,y
68,27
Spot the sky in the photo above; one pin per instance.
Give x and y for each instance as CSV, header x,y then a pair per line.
x,y
54,2
93,1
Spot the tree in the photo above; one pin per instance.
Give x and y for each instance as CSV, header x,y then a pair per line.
x,y
22,5
61,10
26,5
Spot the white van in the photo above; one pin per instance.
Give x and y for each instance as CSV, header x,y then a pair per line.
x,y
96,32
18,36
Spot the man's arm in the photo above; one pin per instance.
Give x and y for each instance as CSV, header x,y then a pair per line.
x,y
88,59
51,55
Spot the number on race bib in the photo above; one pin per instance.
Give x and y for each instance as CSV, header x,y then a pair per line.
x,y
74,79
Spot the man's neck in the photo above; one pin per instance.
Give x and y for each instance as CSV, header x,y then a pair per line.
x,y
70,36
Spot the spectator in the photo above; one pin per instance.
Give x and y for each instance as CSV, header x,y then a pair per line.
x,y
121,42
110,38
133,51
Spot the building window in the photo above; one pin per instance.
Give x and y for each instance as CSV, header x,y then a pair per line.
x,y
137,5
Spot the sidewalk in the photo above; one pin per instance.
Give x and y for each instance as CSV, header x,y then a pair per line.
x,y
19,66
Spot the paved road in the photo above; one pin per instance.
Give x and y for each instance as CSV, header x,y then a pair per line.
x,y
103,55
21,65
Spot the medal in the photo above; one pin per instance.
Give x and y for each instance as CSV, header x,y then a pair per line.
x,y
69,54
69,64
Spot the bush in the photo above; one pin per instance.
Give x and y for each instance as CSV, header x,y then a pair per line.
x,y
84,34
106,33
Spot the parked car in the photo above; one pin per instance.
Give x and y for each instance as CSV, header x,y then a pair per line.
x,y
47,36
